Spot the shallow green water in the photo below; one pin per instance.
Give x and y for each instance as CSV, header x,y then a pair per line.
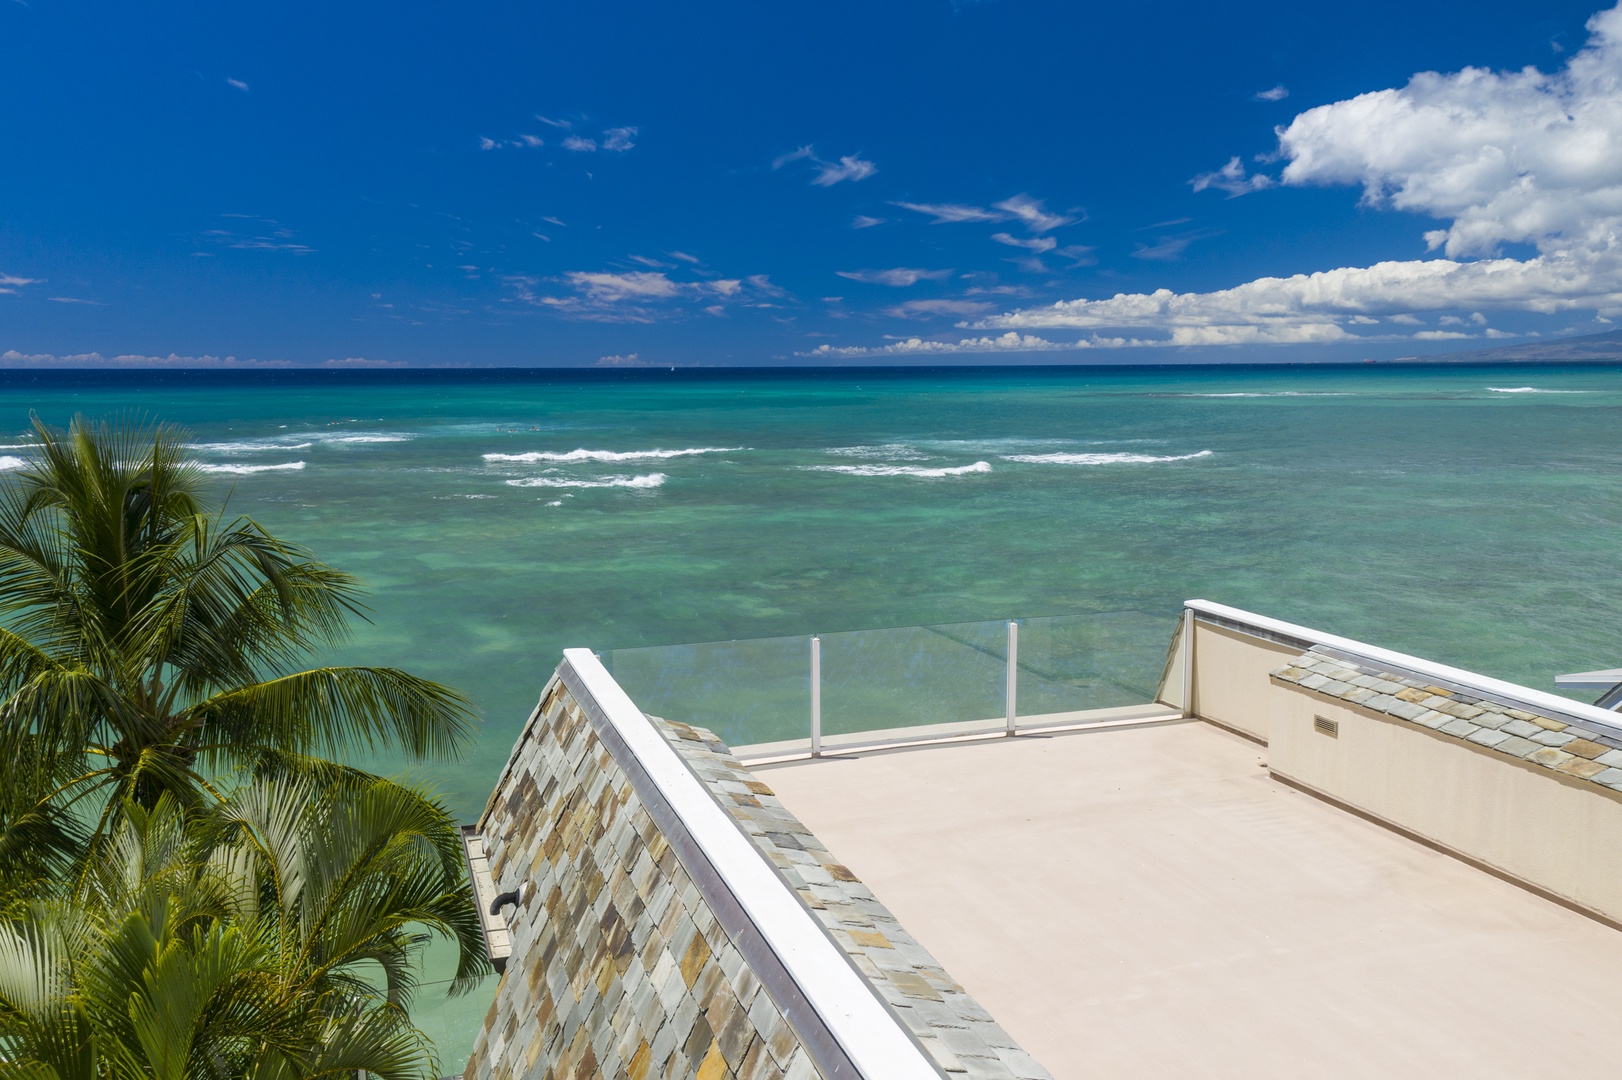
x,y
1419,508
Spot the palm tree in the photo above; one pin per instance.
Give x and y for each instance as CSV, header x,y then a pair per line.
x,y
240,939
148,644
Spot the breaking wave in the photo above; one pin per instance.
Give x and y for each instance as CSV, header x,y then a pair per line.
x,y
248,446
238,469
1103,459
651,480
1530,390
12,461
902,470
609,455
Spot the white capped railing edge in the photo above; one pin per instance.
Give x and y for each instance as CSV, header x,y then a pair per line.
x,y
1539,701
875,1043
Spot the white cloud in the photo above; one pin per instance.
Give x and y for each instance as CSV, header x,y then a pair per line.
x,y
563,124
619,360
926,309
1038,244
1232,179
10,283
1505,157
862,221
1030,213
13,358
580,145
619,139
1522,157
1170,248
900,276
237,84
73,300
1022,208
636,296
1005,343
1277,93
850,167
952,213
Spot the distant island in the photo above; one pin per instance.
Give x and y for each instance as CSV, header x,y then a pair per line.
x,y
1589,348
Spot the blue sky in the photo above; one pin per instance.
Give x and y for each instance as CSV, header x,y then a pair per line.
x,y
766,184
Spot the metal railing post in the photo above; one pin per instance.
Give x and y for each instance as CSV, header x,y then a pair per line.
x,y
1188,662
816,696
1011,693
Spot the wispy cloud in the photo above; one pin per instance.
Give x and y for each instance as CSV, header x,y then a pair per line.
x,y
237,84
852,167
265,235
13,358
863,221
580,145
1277,93
561,124
1022,208
615,139
899,277
618,140
1171,248
1038,244
1232,179
637,296
11,283
73,300
929,309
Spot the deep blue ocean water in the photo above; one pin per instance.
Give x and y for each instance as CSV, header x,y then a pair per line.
x,y
1467,514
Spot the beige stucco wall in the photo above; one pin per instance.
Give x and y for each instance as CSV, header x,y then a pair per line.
x,y
1231,683
1559,834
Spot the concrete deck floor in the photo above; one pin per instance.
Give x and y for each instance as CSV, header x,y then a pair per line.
x,y
1148,903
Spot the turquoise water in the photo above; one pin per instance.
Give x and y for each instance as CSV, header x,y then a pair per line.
x,y
1427,509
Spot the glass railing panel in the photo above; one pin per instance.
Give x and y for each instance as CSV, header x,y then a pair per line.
x,y
1101,660
752,691
913,676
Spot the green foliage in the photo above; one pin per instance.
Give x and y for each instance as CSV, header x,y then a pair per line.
x,y
244,939
187,889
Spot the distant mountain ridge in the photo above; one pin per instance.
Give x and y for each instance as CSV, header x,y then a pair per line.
x,y
1606,346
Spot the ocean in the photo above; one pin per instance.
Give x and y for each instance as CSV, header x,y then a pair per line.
x,y
1467,514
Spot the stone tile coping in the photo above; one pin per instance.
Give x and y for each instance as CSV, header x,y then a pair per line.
x,y
1504,693
1579,751
878,1048
957,1032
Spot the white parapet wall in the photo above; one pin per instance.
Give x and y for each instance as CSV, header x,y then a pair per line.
x,y
1523,783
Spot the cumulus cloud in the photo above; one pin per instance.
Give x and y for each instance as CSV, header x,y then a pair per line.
x,y
1498,158
636,296
899,277
580,144
1022,208
1232,179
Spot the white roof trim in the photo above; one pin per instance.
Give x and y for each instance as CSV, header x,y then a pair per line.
x,y
876,1044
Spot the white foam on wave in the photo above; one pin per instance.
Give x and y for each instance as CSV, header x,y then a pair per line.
x,y
11,461
1103,459
239,469
920,471
609,455
651,480
361,439
1530,390
893,451
1275,393
248,446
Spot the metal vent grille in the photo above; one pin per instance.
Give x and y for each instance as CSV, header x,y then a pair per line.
x,y
1325,726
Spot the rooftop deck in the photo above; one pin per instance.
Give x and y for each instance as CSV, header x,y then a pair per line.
x,y
1148,902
